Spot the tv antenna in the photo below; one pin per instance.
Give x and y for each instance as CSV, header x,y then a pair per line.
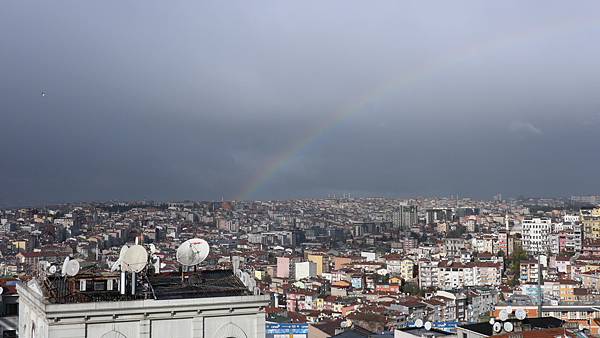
x,y
63,271
520,314
134,260
192,252
118,264
72,268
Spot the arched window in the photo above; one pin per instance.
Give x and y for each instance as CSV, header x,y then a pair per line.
x,y
113,334
230,330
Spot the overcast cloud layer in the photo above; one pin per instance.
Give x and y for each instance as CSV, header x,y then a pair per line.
x,y
194,99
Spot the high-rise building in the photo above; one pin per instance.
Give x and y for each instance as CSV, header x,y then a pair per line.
x,y
536,235
435,215
405,217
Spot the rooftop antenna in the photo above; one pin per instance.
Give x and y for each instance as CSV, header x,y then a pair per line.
x,y
192,252
235,262
155,259
72,267
497,327
134,260
64,266
118,265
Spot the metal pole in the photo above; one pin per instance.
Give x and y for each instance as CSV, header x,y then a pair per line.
x,y
123,279
133,283
540,293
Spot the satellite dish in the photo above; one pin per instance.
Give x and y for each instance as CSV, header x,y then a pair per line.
x,y
520,314
152,248
64,266
497,327
43,93
492,321
508,326
192,252
135,259
1,290
72,268
419,322
124,249
119,261
503,315
52,269
509,309
428,326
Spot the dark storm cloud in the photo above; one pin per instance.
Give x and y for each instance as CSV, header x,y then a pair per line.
x,y
197,99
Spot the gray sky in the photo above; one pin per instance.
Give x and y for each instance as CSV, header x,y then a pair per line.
x,y
276,99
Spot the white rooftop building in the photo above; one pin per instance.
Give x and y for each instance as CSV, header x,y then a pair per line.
x,y
208,304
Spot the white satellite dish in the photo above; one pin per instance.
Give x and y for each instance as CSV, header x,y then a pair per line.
x,y
192,252
428,326
492,321
419,322
1,290
520,314
135,259
72,268
63,271
152,248
509,309
116,265
503,315
52,269
508,326
497,327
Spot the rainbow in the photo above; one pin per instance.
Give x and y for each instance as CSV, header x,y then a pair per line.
x,y
420,73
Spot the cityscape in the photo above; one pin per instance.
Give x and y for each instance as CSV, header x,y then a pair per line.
x,y
373,267
299,169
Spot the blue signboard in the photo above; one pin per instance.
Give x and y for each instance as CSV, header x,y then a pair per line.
x,y
286,328
445,326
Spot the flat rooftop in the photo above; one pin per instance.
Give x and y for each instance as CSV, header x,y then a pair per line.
x,y
89,286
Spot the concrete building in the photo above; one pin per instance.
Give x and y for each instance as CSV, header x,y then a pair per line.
x,y
536,235
405,216
428,273
590,218
305,270
319,260
453,246
210,304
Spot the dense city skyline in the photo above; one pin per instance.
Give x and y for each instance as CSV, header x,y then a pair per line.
x,y
209,100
